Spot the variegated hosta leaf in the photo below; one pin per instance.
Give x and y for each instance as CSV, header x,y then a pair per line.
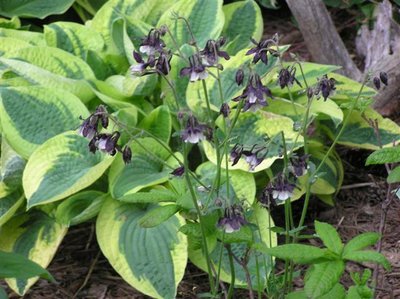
x,y
12,166
152,260
243,20
13,23
34,38
34,235
61,167
9,204
10,45
255,128
347,88
158,123
358,133
146,168
80,207
32,115
34,8
72,37
262,219
206,20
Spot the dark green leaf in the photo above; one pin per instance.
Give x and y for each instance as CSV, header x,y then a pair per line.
x,y
33,8
158,215
368,256
361,241
384,155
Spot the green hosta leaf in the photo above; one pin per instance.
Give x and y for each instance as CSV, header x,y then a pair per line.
x,y
152,260
323,277
329,236
158,215
158,123
155,195
80,207
14,23
359,134
252,128
32,115
361,241
299,253
243,20
146,168
9,204
12,166
242,184
384,155
329,109
55,60
34,8
39,76
394,176
10,45
262,219
206,20
3,294
18,266
35,236
61,167
348,89
74,38
130,85
195,92
367,256
34,38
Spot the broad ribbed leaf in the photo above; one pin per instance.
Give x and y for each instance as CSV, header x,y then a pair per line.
x,y
299,253
384,155
72,37
323,277
158,123
13,23
34,38
32,115
9,204
34,235
361,241
243,20
61,167
260,218
368,256
12,166
329,236
152,260
34,8
10,45
80,207
158,215
155,195
206,20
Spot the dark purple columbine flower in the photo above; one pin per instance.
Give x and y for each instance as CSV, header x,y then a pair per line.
x,y
236,153
239,77
194,132
298,165
261,50
254,95
325,86
127,154
152,43
141,65
88,129
233,219
179,171
212,51
196,70
163,64
280,189
254,156
108,142
287,76
225,110
384,77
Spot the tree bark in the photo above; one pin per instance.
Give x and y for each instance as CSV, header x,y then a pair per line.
x,y
321,37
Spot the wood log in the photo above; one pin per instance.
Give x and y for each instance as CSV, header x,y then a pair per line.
x,y
321,37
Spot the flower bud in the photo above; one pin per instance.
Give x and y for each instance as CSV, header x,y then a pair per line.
x,y
239,77
384,78
377,82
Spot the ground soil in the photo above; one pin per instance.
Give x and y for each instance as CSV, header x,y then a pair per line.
x,y
83,272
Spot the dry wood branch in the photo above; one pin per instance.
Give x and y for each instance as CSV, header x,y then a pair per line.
x,y
322,39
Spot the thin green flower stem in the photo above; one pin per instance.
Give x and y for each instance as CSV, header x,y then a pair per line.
x,y
232,268
345,121
233,123
292,100
287,241
176,45
193,41
219,259
173,90
203,233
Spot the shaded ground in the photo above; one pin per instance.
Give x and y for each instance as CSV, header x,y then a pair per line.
x,y
83,272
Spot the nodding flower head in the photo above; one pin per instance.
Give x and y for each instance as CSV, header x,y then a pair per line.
x,y
141,66
153,42
236,153
196,70
127,154
280,188
225,110
254,156
325,86
163,64
383,77
232,220
239,77
261,50
90,125
298,165
254,95
212,51
178,172
286,77
194,131
108,142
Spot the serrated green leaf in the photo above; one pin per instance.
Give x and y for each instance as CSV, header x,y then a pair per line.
x,y
80,207
32,115
394,176
299,253
384,155
361,241
34,8
35,236
367,256
243,20
157,215
323,277
61,167
152,260
337,292
158,123
206,20
329,236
